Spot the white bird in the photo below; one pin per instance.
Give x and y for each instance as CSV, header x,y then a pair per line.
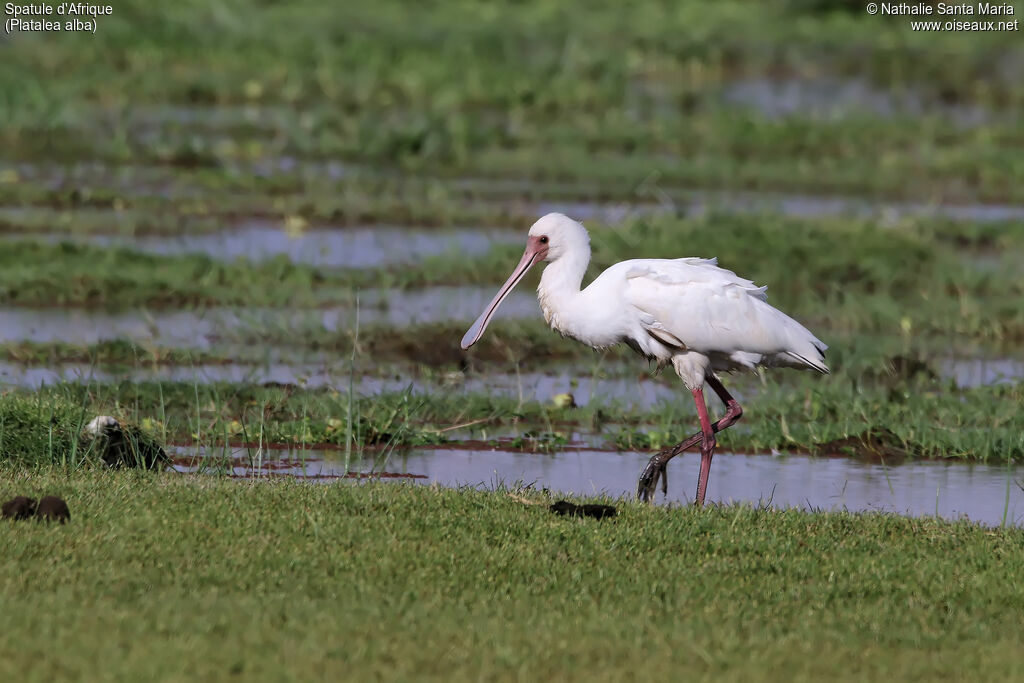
x,y
688,312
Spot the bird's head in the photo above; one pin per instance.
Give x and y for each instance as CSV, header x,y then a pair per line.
x,y
555,235
550,238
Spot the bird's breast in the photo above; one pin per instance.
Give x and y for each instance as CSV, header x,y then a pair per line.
x,y
582,323
557,321
547,312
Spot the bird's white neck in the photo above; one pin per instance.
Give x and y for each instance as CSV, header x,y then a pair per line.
x,y
559,290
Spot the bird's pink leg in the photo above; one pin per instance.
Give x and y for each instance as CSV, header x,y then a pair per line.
x,y
656,468
733,410
707,445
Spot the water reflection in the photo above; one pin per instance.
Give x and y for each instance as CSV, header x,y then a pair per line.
x,y
982,493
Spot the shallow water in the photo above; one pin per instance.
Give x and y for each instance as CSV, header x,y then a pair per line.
x,y
34,377
835,97
260,240
174,329
202,329
622,384
973,372
634,392
918,488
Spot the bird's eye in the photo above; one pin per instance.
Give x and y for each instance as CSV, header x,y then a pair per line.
x,y
544,239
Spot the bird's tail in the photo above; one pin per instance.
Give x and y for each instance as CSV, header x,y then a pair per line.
x,y
818,364
806,349
801,348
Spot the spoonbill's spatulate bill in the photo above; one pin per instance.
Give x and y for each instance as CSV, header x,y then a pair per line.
x,y
686,311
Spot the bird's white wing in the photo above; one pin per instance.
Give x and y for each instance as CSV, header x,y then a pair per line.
x,y
686,271
712,310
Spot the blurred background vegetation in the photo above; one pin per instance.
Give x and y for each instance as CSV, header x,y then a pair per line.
x,y
784,95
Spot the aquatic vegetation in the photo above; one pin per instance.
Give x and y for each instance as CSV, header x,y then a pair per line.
x,y
841,415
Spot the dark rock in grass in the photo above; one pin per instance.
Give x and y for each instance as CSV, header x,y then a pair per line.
x,y
20,507
53,509
125,446
564,507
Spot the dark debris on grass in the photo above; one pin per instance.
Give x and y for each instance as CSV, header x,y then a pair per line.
x,y
48,509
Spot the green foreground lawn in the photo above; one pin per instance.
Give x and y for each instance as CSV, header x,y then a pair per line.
x,y
167,577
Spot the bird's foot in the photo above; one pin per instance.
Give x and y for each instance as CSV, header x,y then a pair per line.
x,y
647,486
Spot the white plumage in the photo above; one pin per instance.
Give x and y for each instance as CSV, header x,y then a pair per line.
x,y
686,312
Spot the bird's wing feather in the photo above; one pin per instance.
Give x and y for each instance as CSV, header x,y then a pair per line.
x,y
712,310
661,333
686,271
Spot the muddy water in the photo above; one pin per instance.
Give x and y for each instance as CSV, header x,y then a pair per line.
x,y
202,329
951,490
260,240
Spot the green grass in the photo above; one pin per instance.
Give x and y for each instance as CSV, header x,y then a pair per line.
x,y
588,55
67,274
171,577
48,430
712,149
219,198
117,353
42,430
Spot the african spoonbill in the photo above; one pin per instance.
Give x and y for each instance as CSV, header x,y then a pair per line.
x,y
687,311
